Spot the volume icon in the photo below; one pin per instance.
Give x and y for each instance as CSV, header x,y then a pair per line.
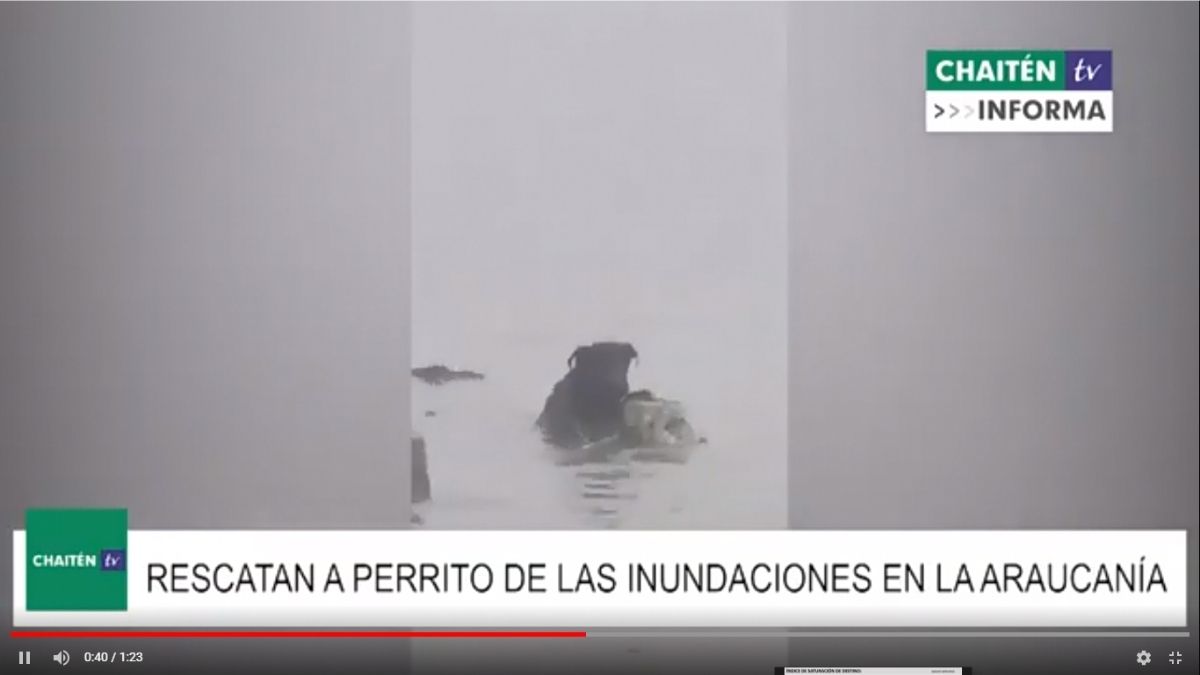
x,y
62,658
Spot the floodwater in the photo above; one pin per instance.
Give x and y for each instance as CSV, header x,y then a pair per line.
x,y
600,173
699,343
591,172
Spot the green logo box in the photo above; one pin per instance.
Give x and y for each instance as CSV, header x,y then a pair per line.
x,y
75,560
983,70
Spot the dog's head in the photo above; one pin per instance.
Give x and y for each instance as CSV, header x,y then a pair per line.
x,y
605,360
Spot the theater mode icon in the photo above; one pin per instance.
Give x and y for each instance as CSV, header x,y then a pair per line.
x,y
76,560
1067,91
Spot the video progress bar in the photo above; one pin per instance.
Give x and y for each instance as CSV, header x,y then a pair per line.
x,y
594,633
1024,635
296,634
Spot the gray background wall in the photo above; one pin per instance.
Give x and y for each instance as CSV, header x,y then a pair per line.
x,y
205,262
992,330
204,272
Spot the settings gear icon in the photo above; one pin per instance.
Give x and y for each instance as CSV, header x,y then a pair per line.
x,y
1143,658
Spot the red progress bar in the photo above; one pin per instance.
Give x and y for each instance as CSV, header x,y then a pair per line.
x,y
272,634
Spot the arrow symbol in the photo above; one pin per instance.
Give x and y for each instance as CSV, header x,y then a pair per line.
x,y
940,111
970,111
954,108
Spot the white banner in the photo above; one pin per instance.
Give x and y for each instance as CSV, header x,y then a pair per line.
x,y
457,579
1019,111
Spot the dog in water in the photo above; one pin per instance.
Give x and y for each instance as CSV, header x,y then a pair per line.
x,y
586,405
653,422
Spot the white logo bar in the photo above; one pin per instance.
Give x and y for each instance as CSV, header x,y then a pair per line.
x,y
1107,578
1019,111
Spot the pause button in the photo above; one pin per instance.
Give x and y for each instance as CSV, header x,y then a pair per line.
x,y
23,658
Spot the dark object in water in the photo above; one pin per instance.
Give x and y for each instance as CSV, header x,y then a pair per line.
x,y
585,405
439,374
421,491
431,413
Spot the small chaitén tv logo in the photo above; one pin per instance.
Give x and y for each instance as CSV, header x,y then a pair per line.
x,y
76,560
1067,91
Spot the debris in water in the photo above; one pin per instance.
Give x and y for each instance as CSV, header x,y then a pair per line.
x,y
421,491
439,374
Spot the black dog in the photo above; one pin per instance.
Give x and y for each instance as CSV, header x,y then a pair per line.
x,y
585,405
